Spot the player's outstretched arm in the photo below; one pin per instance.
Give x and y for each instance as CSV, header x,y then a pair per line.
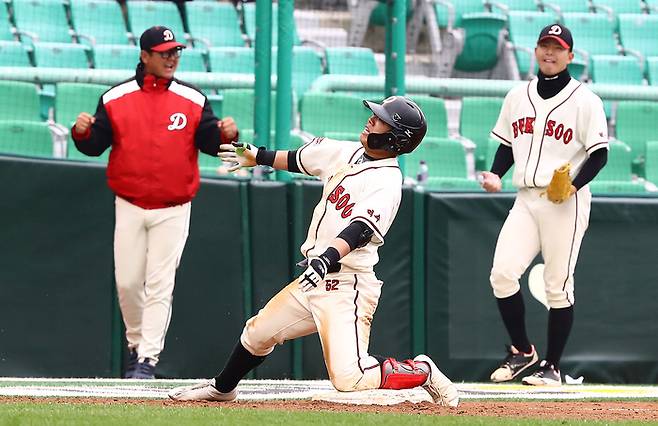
x,y
246,155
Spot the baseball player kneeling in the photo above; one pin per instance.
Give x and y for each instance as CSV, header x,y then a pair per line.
x,y
336,296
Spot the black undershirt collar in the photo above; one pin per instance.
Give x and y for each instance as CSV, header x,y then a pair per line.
x,y
549,86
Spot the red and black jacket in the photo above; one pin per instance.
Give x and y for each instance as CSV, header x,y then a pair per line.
x,y
156,128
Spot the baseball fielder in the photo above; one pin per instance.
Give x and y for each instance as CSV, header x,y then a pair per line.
x,y
551,121
336,296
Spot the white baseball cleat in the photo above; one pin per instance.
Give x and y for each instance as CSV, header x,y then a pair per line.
x,y
202,392
440,388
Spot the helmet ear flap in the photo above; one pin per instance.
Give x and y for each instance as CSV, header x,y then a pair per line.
x,y
382,141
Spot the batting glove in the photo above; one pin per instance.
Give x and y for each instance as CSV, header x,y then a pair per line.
x,y
238,154
313,275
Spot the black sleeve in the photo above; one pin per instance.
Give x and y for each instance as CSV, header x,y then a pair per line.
x,y
207,137
100,137
591,168
503,160
356,234
292,162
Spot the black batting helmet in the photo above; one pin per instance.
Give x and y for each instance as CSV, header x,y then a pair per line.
x,y
407,121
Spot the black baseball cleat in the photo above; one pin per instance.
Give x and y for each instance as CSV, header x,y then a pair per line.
x,y
145,370
514,363
546,375
132,364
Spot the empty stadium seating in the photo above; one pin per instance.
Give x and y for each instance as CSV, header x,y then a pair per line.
x,y
29,138
634,127
478,116
444,158
618,167
216,24
100,20
116,56
435,110
19,101
42,20
145,14
332,112
13,54
71,99
351,61
61,55
635,32
231,60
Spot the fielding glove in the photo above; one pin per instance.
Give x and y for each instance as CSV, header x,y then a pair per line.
x,y
560,187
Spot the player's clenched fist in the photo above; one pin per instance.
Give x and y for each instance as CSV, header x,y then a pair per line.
x,y
239,154
227,128
84,122
490,182
313,275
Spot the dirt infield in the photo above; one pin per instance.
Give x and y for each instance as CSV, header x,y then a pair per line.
x,y
566,410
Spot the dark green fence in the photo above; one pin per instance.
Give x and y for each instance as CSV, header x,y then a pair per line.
x,y
58,314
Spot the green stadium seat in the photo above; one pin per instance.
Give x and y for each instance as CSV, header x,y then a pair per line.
x,y
101,20
216,24
351,61
651,164
652,70
616,69
566,6
612,187
618,167
142,15
323,112
633,127
116,57
451,184
435,110
507,6
444,157
594,33
523,28
71,99
577,68
19,101
478,117
458,8
634,30
239,104
13,54
306,67
482,41
618,6
249,19
192,60
60,55
45,20
239,60
29,138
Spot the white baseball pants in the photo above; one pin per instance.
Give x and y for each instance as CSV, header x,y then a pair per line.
x,y
341,313
536,225
148,245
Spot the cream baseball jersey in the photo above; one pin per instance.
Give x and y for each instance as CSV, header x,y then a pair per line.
x,y
354,190
546,133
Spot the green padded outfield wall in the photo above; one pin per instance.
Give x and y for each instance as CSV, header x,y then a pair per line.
x,y
615,331
207,312
56,276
